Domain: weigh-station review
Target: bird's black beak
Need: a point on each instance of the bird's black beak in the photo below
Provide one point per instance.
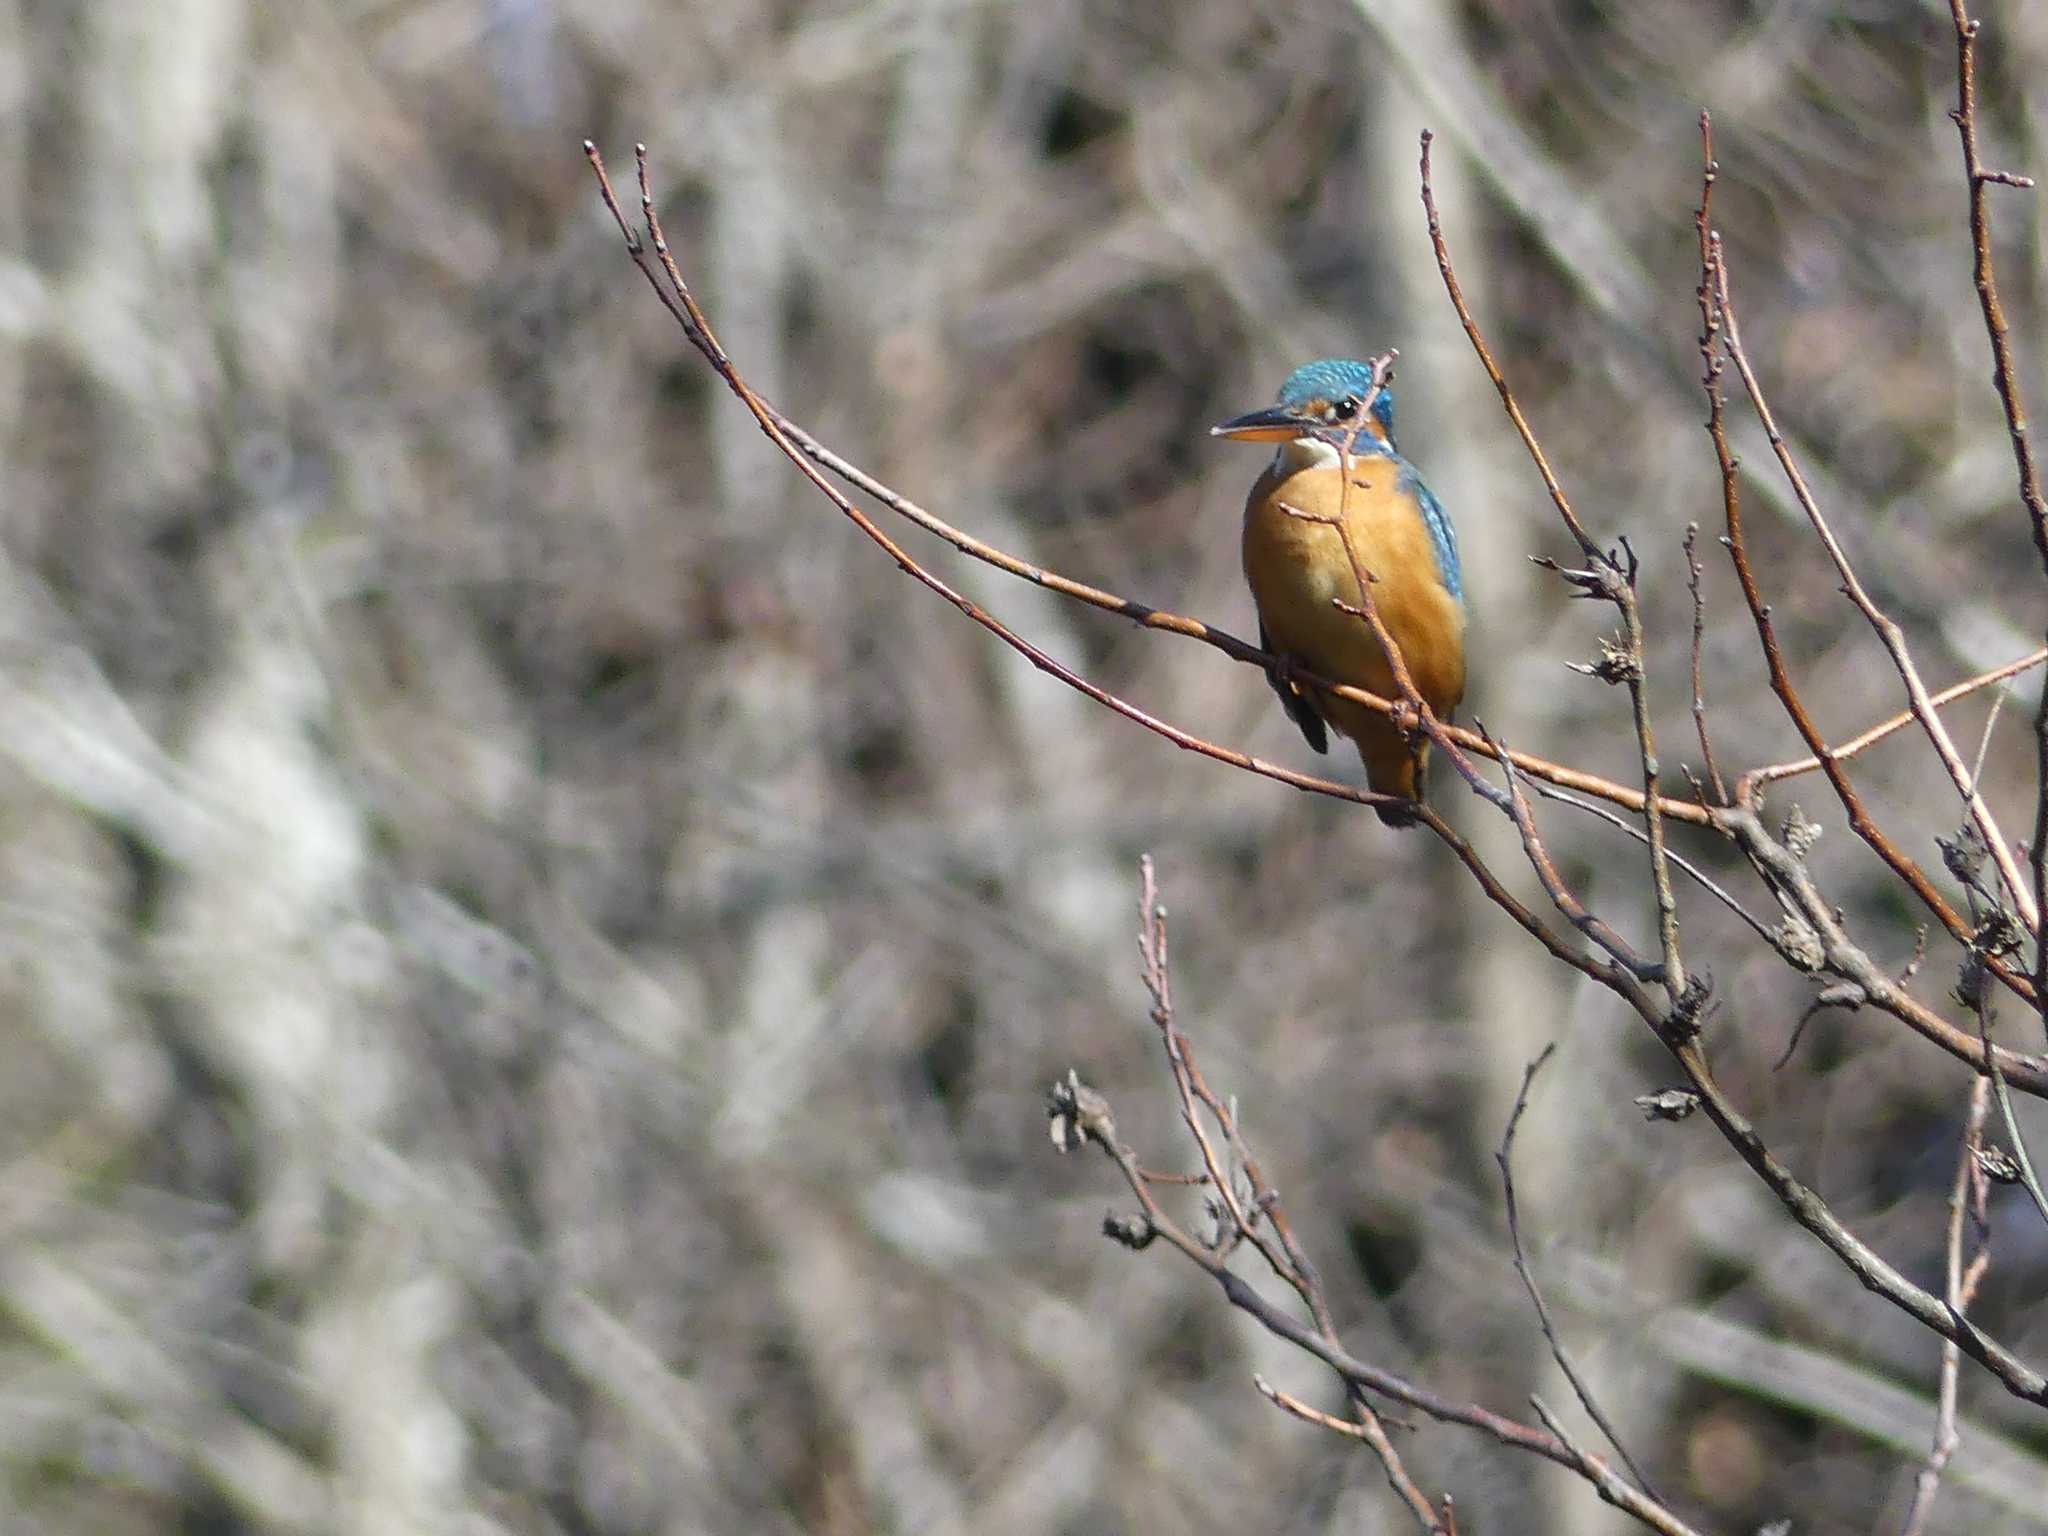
(1274, 424)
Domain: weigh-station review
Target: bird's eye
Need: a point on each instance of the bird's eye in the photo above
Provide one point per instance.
(1346, 408)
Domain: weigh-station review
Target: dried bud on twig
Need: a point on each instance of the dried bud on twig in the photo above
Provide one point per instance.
(1798, 943)
(1077, 1114)
(1690, 1011)
(1798, 834)
(1965, 853)
(1616, 663)
(1133, 1231)
(1998, 1165)
(1670, 1104)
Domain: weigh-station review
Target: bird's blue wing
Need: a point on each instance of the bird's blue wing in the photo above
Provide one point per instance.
(1443, 536)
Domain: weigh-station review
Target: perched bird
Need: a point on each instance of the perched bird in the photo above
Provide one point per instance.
(1336, 458)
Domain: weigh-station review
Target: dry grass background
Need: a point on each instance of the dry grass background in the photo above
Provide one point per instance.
(532, 956)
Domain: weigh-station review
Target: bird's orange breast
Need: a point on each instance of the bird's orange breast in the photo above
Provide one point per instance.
(1299, 571)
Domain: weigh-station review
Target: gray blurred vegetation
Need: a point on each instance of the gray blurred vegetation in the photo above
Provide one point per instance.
(532, 955)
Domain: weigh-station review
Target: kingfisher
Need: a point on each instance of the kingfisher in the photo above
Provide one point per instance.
(1336, 458)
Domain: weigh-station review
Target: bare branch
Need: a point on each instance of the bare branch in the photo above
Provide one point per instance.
(1504, 1157)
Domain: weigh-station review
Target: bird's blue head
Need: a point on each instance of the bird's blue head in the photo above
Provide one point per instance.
(1320, 399)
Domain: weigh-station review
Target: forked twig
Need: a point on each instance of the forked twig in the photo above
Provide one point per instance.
(1081, 1114)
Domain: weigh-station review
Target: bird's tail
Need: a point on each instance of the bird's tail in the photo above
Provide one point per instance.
(1394, 766)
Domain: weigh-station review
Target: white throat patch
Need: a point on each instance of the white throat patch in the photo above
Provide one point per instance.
(1299, 453)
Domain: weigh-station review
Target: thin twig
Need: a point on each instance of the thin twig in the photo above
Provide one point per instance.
(1599, 1473)
(1307, 1414)
(2037, 855)
(1504, 1157)
(1699, 698)
(1758, 777)
(1698, 876)
(1966, 1194)
(2028, 1178)
(1287, 1260)
(1558, 499)
(1575, 911)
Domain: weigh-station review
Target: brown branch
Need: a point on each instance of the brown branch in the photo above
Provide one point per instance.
(1602, 1476)
(1608, 973)
(1871, 1270)
(1888, 631)
(2005, 376)
(1315, 1416)
(1558, 499)
(1604, 577)
(1835, 952)
(1575, 911)
(2005, 373)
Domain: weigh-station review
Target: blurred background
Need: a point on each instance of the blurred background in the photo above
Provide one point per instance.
(532, 955)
